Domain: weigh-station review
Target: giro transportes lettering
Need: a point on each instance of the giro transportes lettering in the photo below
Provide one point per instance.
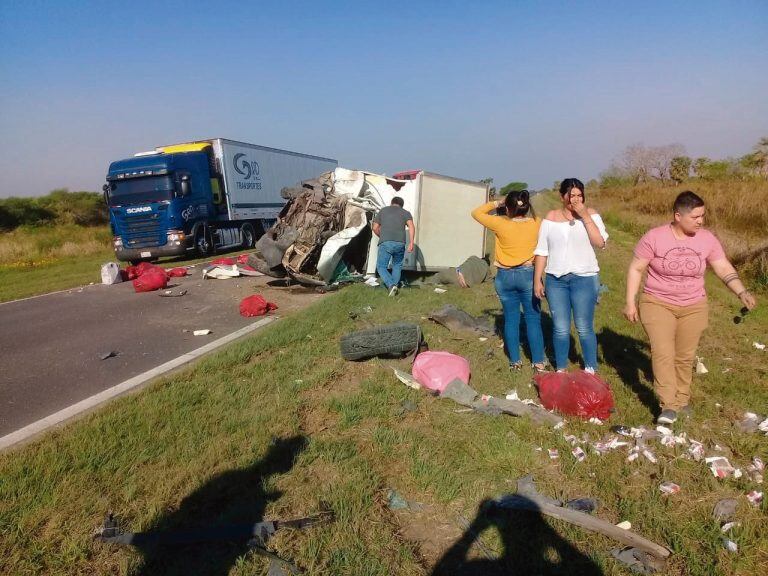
(249, 170)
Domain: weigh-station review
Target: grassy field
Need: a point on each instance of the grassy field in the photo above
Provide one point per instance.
(279, 425)
(737, 211)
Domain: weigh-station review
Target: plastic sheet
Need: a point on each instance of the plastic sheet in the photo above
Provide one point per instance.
(435, 370)
(578, 393)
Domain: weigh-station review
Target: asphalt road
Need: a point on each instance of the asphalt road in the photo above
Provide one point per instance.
(51, 345)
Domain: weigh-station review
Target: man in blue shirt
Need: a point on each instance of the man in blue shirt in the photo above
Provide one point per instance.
(389, 225)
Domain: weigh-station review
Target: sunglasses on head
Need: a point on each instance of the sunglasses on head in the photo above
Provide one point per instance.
(742, 314)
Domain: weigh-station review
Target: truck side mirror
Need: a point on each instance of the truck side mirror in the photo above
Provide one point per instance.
(105, 189)
(186, 188)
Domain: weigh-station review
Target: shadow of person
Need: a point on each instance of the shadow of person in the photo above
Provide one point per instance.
(211, 527)
(629, 358)
(530, 546)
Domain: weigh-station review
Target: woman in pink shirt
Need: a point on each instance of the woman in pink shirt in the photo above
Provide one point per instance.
(673, 307)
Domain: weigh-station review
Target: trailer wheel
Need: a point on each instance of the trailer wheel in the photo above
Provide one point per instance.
(248, 234)
(391, 339)
(203, 243)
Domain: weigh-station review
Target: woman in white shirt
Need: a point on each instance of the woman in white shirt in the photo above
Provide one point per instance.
(566, 253)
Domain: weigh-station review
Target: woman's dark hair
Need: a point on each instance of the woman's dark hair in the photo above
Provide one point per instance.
(518, 203)
(687, 201)
(569, 184)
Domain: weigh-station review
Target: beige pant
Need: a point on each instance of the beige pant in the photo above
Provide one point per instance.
(674, 332)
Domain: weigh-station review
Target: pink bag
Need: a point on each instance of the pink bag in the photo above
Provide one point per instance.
(435, 370)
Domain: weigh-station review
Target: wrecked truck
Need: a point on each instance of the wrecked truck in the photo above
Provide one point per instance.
(323, 234)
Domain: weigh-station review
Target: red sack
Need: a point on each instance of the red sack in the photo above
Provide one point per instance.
(136, 271)
(223, 262)
(255, 306)
(151, 280)
(176, 272)
(243, 259)
(578, 393)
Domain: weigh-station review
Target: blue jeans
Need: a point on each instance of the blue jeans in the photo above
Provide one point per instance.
(396, 252)
(515, 288)
(577, 294)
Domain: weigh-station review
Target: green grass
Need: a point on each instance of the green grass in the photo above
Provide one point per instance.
(198, 446)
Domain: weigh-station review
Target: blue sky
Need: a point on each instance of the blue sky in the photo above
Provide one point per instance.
(532, 91)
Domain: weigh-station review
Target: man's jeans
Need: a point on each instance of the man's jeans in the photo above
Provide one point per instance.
(515, 288)
(577, 294)
(396, 252)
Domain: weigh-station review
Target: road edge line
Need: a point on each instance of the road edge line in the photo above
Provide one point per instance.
(44, 424)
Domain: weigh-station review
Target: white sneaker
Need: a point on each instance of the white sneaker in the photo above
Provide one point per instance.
(393, 291)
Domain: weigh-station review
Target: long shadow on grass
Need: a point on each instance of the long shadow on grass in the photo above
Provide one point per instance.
(530, 546)
(547, 330)
(234, 498)
(629, 357)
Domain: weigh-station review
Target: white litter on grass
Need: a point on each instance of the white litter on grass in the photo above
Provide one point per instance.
(728, 525)
(512, 395)
(730, 545)
(579, 454)
(603, 447)
(482, 339)
(625, 525)
(406, 379)
(669, 488)
(559, 425)
(755, 498)
(201, 332)
(554, 454)
(571, 439)
(720, 467)
(700, 368)
(650, 456)
(758, 345)
(441, 290)
(595, 420)
(696, 450)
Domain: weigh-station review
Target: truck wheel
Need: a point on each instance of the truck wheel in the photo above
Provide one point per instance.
(391, 339)
(248, 234)
(203, 243)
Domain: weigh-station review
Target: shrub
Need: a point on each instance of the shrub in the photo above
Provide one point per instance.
(59, 207)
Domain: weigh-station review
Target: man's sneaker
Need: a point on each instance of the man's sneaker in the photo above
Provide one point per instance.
(667, 417)
(393, 291)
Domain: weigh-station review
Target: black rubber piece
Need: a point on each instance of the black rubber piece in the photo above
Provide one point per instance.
(390, 339)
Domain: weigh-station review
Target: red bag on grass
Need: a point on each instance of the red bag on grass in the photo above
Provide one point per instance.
(243, 259)
(577, 393)
(151, 280)
(255, 306)
(176, 272)
(435, 370)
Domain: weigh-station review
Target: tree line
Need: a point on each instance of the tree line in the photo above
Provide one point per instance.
(58, 207)
(671, 164)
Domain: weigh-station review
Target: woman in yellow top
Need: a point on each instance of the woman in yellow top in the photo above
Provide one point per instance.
(516, 237)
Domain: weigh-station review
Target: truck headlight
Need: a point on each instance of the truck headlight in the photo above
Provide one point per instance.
(174, 235)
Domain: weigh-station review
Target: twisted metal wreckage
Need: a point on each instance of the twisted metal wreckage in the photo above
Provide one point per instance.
(322, 235)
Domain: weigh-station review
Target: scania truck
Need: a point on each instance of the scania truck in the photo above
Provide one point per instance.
(200, 196)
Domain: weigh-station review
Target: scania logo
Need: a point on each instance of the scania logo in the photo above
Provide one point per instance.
(138, 210)
(245, 167)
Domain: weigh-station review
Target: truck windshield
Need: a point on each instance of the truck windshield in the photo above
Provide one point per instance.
(140, 190)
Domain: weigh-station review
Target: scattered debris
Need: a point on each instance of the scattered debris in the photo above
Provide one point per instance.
(637, 561)
(456, 319)
(669, 488)
(436, 369)
(110, 273)
(441, 290)
(720, 466)
(749, 423)
(554, 454)
(696, 450)
(623, 430)
(700, 368)
(395, 501)
(255, 305)
(597, 421)
(755, 469)
(758, 345)
(459, 392)
(406, 379)
(112, 354)
(587, 505)
(221, 272)
(579, 454)
(172, 294)
(201, 332)
(755, 498)
(386, 340)
(730, 545)
(512, 395)
(527, 498)
(725, 528)
(725, 510)
(624, 525)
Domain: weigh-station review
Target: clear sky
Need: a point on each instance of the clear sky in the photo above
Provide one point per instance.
(531, 91)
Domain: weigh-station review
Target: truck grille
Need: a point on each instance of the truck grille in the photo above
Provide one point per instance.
(142, 231)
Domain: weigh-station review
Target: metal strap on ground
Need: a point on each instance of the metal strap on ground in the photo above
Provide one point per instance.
(110, 393)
